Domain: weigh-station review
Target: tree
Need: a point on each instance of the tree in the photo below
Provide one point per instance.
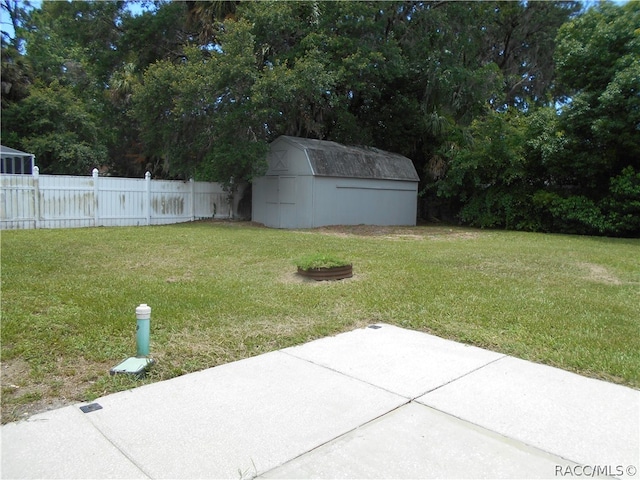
(197, 115)
(15, 76)
(490, 174)
(280, 68)
(200, 88)
(522, 45)
(324, 66)
(56, 108)
(598, 58)
(576, 170)
(154, 35)
(463, 60)
(16, 11)
(55, 125)
(74, 42)
(206, 17)
(15, 71)
(596, 177)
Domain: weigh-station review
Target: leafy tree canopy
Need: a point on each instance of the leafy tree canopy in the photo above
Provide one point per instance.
(468, 90)
(576, 170)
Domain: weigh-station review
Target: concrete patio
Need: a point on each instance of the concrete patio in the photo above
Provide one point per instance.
(377, 402)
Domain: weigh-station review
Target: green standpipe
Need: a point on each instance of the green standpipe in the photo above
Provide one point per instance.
(139, 364)
(143, 317)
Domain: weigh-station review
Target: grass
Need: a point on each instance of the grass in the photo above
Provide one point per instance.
(220, 292)
(319, 260)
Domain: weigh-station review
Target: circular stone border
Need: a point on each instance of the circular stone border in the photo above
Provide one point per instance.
(332, 273)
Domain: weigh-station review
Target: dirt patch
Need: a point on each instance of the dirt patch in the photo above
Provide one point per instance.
(23, 397)
(362, 230)
(419, 232)
(185, 277)
(404, 236)
(600, 274)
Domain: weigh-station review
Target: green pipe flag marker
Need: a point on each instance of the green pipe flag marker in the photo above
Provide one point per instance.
(139, 364)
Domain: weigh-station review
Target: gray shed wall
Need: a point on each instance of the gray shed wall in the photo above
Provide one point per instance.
(361, 201)
(290, 196)
(283, 201)
(285, 158)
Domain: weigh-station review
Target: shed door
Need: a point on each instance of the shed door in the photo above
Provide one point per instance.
(272, 213)
(281, 202)
(287, 200)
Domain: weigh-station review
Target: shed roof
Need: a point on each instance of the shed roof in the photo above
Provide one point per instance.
(8, 151)
(331, 159)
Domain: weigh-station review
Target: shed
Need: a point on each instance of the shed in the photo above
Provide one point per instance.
(312, 183)
(16, 162)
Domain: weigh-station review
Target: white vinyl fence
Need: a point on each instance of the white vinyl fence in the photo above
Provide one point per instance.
(61, 201)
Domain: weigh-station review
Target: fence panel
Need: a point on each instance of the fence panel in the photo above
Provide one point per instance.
(61, 201)
(210, 200)
(66, 201)
(171, 202)
(17, 202)
(122, 202)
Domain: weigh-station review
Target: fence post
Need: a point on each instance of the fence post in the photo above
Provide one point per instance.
(147, 183)
(193, 199)
(36, 196)
(96, 200)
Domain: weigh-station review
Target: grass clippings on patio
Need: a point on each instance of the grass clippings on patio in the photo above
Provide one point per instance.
(223, 291)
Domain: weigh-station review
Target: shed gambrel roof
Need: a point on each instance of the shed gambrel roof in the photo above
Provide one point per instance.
(331, 159)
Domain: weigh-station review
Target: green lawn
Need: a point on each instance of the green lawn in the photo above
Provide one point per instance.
(222, 291)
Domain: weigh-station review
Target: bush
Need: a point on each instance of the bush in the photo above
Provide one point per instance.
(617, 214)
